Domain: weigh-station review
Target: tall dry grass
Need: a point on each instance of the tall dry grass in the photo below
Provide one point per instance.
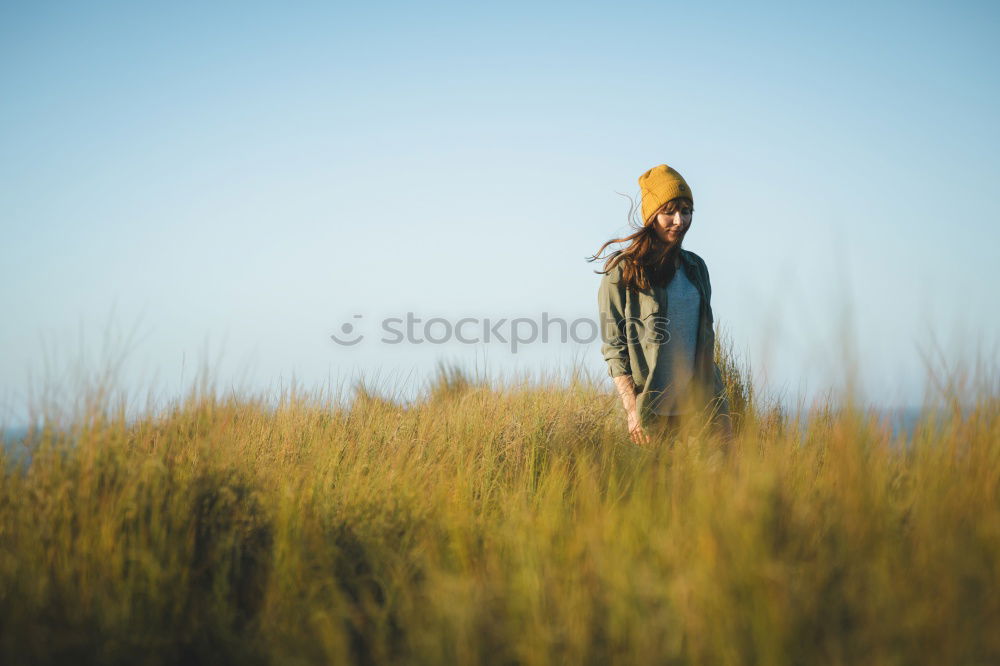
(498, 524)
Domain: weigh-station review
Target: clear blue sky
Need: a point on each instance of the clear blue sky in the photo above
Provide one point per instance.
(245, 177)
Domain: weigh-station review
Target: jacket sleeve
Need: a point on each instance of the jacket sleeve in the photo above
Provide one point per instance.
(611, 322)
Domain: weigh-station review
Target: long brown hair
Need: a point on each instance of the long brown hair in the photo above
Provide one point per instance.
(646, 260)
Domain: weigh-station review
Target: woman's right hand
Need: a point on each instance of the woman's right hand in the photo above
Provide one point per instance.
(635, 429)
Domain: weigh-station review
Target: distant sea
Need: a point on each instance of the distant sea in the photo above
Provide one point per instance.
(901, 420)
(13, 435)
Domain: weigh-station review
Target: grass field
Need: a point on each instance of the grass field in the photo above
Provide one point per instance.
(502, 525)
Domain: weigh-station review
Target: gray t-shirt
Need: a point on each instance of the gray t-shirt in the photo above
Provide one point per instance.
(674, 367)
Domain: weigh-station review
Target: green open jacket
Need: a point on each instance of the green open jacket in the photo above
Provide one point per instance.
(631, 332)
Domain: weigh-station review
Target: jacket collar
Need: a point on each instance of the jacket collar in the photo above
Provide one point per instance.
(694, 272)
(688, 259)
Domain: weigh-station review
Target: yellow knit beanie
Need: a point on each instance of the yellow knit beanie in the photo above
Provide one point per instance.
(659, 185)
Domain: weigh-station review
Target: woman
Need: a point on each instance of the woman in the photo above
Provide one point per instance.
(656, 317)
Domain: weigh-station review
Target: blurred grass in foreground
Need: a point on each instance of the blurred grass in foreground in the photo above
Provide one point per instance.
(507, 525)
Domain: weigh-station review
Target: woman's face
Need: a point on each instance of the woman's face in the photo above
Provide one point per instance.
(671, 227)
